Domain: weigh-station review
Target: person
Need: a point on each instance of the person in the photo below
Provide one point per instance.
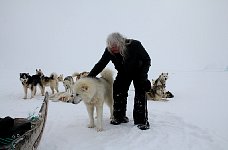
(132, 63)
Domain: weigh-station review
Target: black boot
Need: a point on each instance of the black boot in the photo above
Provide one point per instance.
(144, 126)
(119, 120)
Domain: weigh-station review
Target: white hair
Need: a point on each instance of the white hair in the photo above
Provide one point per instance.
(119, 40)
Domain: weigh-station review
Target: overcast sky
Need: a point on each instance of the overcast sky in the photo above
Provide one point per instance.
(71, 34)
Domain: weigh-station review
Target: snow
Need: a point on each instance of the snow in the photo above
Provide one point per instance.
(187, 39)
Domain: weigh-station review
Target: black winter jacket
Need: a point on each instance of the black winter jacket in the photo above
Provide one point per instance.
(136, 62)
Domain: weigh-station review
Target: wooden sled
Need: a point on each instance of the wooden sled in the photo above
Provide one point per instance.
(31, 138)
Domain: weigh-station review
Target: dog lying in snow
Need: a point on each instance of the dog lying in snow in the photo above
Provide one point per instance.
(158, 91)
(62, 96)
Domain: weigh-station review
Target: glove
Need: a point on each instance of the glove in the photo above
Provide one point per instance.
(147, 85)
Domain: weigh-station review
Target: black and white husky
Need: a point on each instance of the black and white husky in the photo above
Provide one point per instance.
(30, 82)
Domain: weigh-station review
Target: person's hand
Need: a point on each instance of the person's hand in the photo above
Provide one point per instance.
(147, 85)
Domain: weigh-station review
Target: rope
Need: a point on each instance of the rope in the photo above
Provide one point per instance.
(8, 141)
(32, 116)
(5, 141)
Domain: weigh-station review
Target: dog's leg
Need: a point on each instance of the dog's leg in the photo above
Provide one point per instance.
(33, 90)
(65, 87)
(57, 86)
(25, 92)
(99, 110)
(57, 90)
(90, 110)
(156, 97)
(111, 112)
(71, 89)
(52, 89)
(42, 89)
(109, 102)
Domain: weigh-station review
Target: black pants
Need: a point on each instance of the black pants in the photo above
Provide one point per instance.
(120, 93)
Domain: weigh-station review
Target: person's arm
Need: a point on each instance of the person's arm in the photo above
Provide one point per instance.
(146, 61)
(101, 64)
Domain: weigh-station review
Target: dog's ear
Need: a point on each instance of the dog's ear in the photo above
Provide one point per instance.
(38, 70)
(153, 81)
(84, 88)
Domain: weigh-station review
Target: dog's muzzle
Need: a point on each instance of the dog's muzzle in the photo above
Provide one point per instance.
(76, 99)
(76, 102)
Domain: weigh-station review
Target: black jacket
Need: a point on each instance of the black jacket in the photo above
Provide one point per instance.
(136, 62)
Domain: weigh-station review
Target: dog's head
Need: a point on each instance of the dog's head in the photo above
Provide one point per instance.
(69, 79)
(84, 90)
(68, 82)
(76, 99)
(60, 78)
(164, 76)
(24, 77)
(39, 72)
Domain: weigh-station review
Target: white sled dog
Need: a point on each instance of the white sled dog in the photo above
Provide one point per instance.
(94, 92)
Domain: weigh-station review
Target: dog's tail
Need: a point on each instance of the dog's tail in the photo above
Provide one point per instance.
(54, 76)
(75, 74)
(107, 74)
(80, 75)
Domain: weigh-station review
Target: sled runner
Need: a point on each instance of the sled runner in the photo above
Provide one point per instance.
(26, 133)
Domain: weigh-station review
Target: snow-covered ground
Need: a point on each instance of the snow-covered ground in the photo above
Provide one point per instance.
(187, 39)
(196, 118)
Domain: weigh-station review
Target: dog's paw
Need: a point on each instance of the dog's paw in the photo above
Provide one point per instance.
(156, 99)
(99, 129)
(91, 126)
(168, 94)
